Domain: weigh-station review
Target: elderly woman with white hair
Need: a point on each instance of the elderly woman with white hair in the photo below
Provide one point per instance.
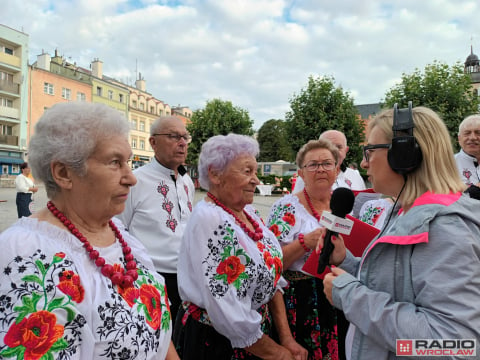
(230, 265)
(73, 283)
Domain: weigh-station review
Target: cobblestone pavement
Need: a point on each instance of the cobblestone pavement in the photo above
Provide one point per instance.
(8, 209)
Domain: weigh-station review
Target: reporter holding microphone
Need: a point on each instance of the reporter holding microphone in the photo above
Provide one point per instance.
(418, 280)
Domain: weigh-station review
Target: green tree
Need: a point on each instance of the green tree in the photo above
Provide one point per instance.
(322, 106)
(217, 118)
(443, 88)
(272, 138)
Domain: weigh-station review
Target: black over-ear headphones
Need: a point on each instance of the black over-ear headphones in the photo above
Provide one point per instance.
(404, 155)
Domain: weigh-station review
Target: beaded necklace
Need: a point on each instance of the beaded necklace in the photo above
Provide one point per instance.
(254, 235)
(309, 202)
(123, 278)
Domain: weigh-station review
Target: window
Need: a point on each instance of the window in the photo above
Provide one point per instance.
(110, 94)
(8, 51)
(99, 91)
(134, 104)
(66, 94)
(142, 126)
(160, 112)
(152, 109)
(142, 106)
(142, 144)
(134, 143)
(81, 96)
(6, 77)
(6, 130)
(6, 102)
(48, 88)
(133, 124)
(120, 98)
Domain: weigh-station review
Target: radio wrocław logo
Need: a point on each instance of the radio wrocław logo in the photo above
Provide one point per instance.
(436, 347)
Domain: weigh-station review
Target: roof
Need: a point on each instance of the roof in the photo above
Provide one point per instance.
(366, 110)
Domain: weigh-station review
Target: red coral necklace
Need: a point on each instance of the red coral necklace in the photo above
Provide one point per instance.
(254, 235)
(122, 278)
(309, 202)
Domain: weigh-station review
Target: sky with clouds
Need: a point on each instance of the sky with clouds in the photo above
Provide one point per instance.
(255, 53)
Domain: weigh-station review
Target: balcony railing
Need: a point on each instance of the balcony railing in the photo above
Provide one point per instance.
(8, 112)
(9, 140)
(10, 87)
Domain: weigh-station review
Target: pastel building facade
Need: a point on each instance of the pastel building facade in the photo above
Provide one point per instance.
(13, 99)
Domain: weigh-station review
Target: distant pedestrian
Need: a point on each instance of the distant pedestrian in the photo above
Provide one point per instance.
(25, 188)
(293, 180)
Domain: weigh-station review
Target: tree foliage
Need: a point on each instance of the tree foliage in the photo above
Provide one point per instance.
(272, 138)
(443, 88)
(322, 106)
(217, 118)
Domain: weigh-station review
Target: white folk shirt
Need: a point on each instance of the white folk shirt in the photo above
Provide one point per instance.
(349, 178)
(468, 168)
(23, 183)
(48, 278)
(226, 273)
(157, 211)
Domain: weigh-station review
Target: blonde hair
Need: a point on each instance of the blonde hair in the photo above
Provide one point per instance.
(438, 171)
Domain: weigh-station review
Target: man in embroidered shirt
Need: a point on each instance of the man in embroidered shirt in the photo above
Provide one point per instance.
(347, 177)
(161, 202)
(468, 157)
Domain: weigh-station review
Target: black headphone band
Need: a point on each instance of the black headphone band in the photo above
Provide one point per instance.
(404, 155)
(403, 120)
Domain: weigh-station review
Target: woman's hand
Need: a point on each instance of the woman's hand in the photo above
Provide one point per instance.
(298, 351)
(314, 239)
(339, 252)
(328, 282)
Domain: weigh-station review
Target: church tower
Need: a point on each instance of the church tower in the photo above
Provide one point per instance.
(472, 67)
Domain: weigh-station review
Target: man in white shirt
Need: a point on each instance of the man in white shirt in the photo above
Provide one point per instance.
(160, 204)
(468, 157)
(346, 177)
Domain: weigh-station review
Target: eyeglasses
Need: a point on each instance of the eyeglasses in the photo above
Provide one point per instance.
(327, 166)
(177, 137)
(368, 148)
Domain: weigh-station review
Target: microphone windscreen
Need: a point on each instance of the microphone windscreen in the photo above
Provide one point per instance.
(341, 202)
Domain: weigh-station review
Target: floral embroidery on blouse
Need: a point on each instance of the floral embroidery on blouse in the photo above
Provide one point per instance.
(36, 330)
(229, 265)
(167, 205)
(282, 220)
(189, 203)
(371, 214)
(35, 333)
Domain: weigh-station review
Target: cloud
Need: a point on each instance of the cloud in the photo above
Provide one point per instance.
(255, 53)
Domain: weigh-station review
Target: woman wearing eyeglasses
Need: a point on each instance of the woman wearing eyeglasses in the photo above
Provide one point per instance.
(294, 219)
(419, 278)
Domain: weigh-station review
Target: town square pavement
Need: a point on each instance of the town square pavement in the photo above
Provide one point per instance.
(8, 209)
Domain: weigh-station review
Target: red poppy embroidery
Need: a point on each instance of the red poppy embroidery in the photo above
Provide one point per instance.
(275, 229)
(289, 218)
(129, 294)
(150, 297)
(232, 267)
(70, 285)
(37, 333)
(260, 246)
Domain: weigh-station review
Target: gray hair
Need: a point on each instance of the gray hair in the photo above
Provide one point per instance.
(218, 151)
(160, 122)
(68, 133)
(469, 120)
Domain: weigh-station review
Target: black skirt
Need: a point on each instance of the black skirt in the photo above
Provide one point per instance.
(23, 201)
(194, 339)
